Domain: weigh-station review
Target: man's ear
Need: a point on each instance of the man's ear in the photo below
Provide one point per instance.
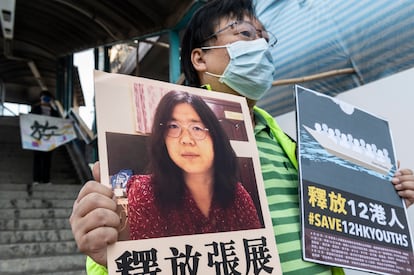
(197, 58)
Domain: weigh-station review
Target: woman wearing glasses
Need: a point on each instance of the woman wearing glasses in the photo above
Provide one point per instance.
(192, 187)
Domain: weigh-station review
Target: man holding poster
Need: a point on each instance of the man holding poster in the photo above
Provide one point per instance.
(221, 36)
(43, 131)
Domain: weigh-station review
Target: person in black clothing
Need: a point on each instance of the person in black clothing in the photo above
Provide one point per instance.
(42, 160)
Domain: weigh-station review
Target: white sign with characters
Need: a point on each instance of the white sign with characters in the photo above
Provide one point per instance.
(45, 133)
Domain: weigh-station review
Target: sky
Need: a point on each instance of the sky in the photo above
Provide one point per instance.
(85, 63)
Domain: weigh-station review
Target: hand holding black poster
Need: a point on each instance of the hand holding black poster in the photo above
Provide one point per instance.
(351, 213)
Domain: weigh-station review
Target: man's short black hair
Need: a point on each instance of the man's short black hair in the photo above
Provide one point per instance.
(203, 24)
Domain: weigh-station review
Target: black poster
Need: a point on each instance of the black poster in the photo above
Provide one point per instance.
(351, 214)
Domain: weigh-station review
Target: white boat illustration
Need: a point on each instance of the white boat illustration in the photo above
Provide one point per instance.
(381, 166)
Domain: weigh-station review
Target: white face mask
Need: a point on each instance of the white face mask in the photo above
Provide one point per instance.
(250, 71)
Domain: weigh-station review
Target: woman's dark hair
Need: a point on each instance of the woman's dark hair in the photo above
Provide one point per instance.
(167, 177)
(203, 24)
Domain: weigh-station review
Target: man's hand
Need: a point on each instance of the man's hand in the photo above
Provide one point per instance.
(94, 220)
(403, 181)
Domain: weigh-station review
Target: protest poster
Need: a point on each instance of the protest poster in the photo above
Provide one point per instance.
(125, 110)
(351, 214)
(45, 133)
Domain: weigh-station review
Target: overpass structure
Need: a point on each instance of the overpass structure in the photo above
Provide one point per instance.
(38, 40)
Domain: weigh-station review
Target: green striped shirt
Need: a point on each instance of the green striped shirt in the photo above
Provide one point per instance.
(281, 184)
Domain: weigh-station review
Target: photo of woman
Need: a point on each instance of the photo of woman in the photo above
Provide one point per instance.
(191, 184)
